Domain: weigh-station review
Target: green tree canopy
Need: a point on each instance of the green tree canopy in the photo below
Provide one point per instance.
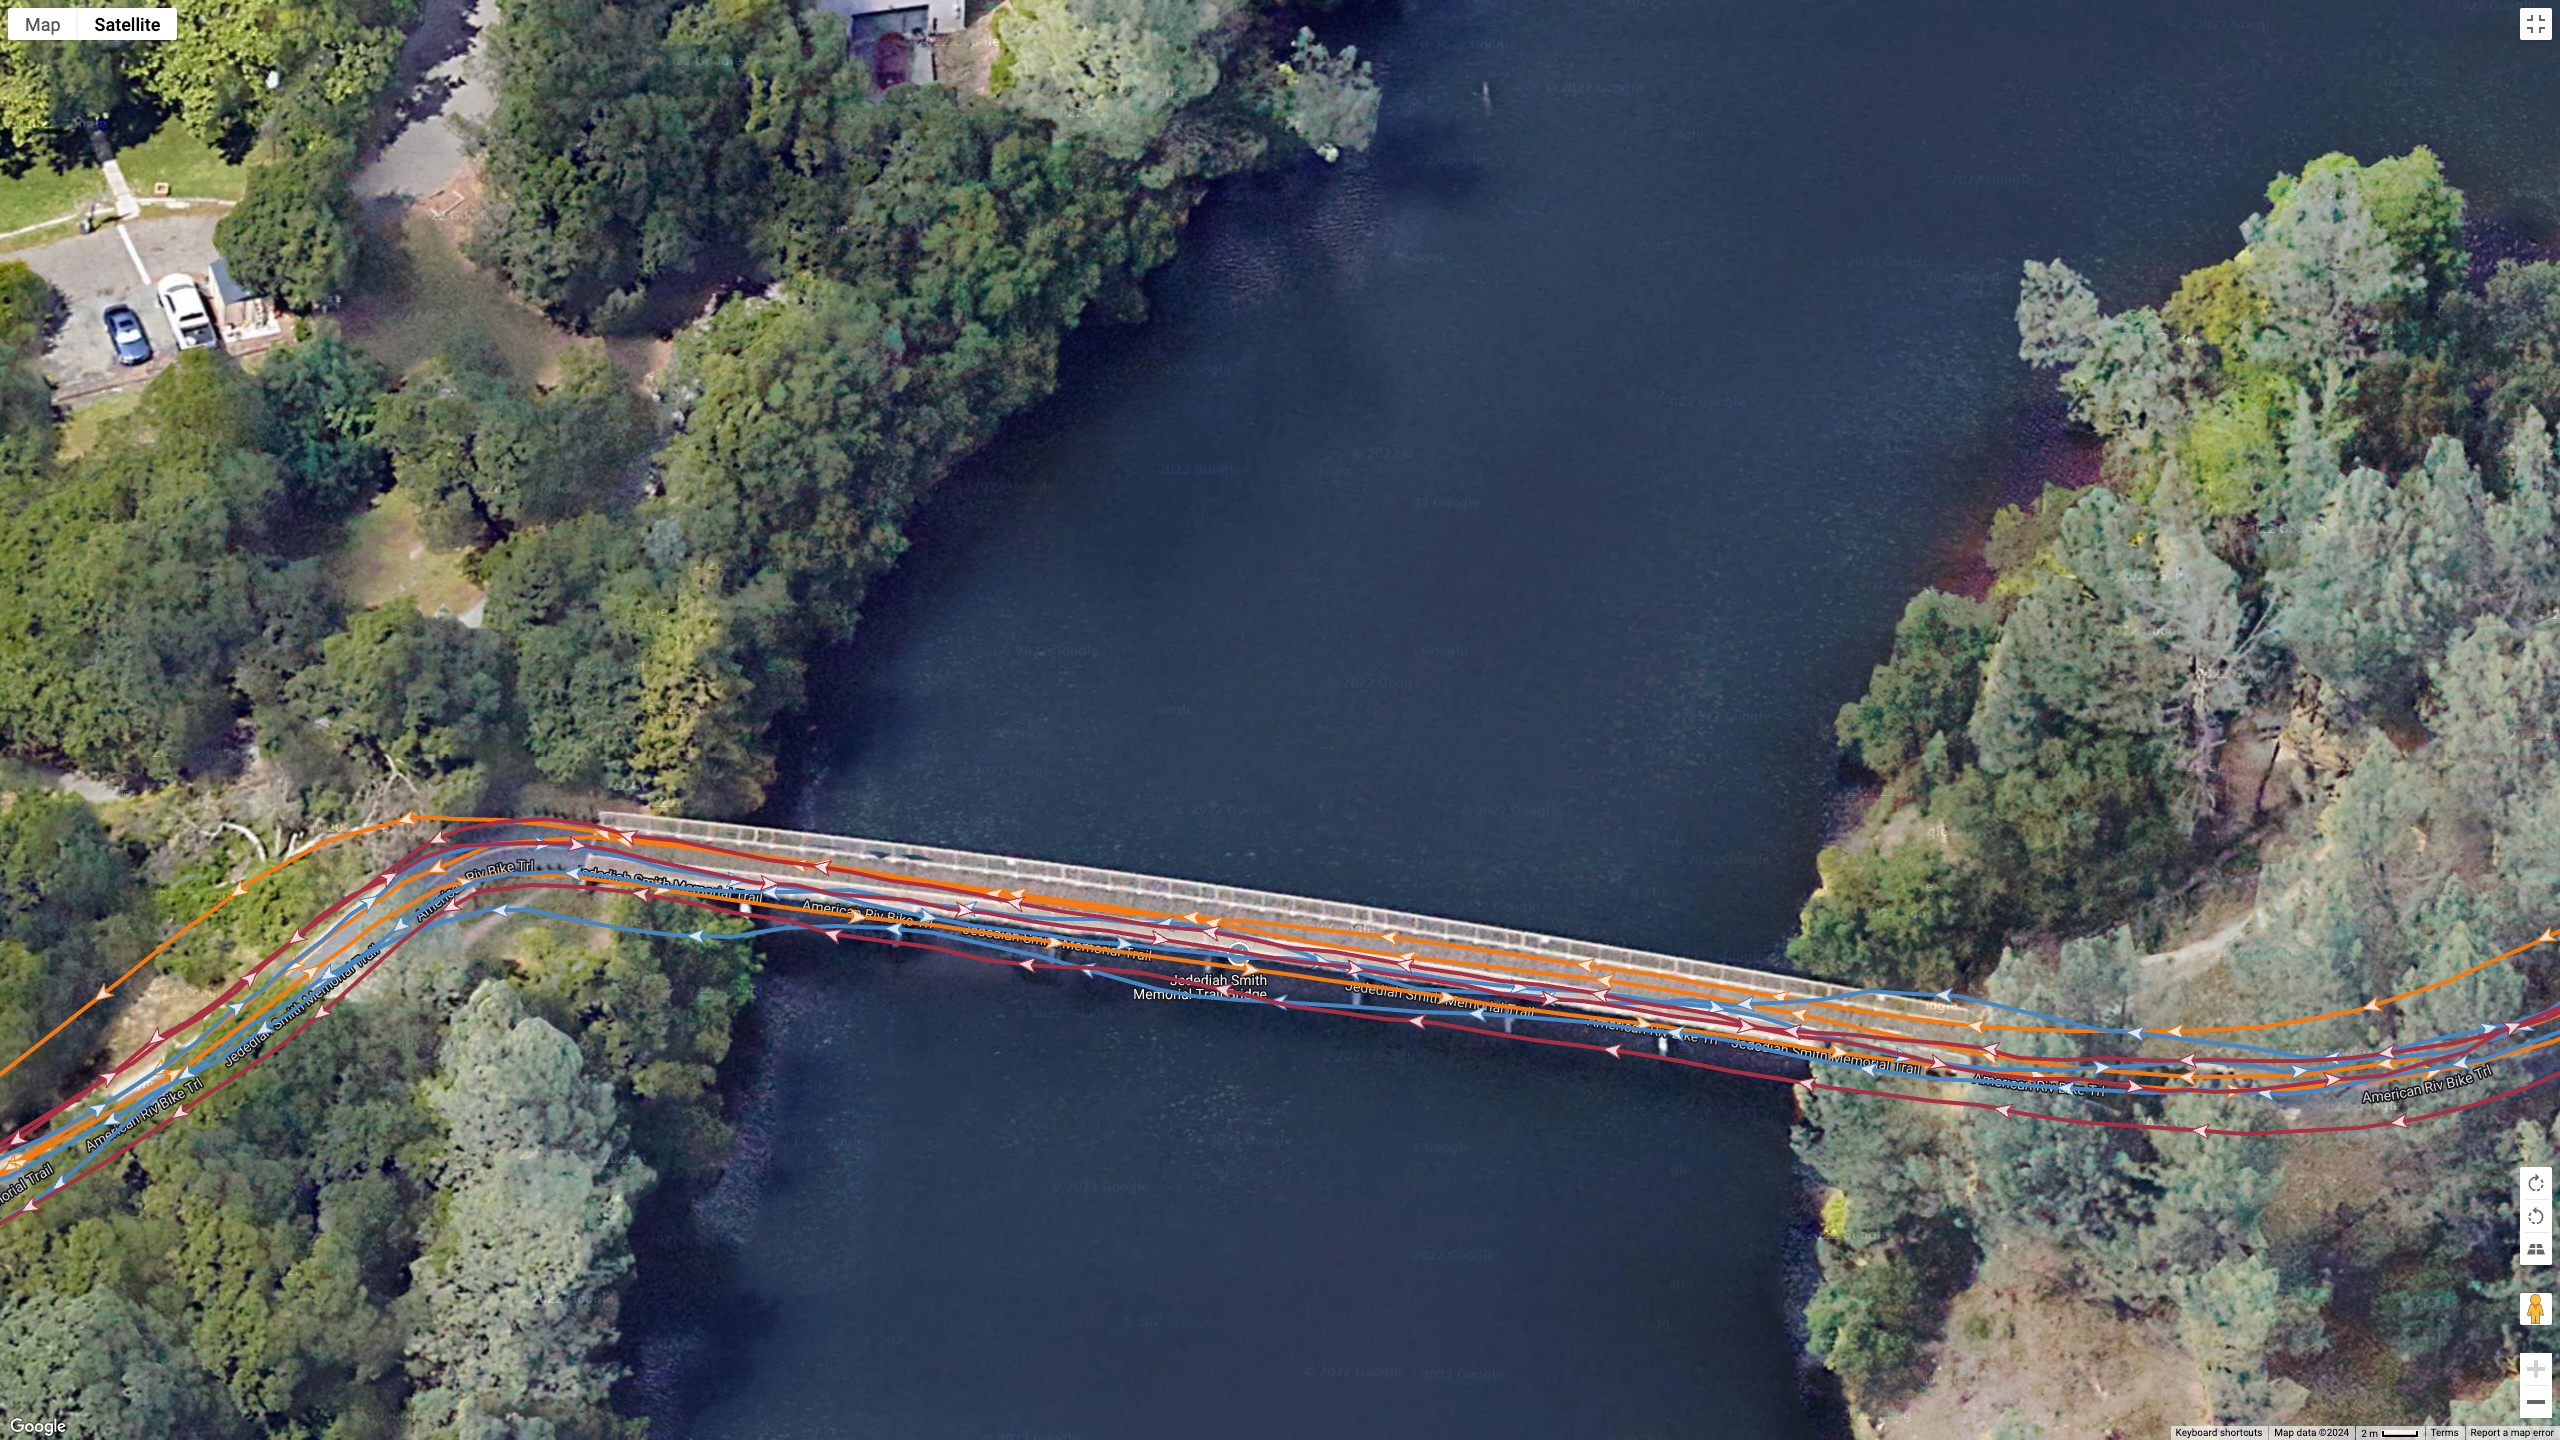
(322, 392)
(2330, 277)
(1111, 70)
(1911, 917)
(1328, 97)
(2382, 579)
(294, 234)
(426, 693)
(1926, 687)
(1867, 1325)
(518, 1280)
(62, 879)
(103, 1365)
(475, 449)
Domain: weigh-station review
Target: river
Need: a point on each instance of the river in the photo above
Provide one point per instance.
(1487, 527)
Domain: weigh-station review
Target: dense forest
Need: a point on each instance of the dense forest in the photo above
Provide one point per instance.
(415, 1221)
(2292, 660)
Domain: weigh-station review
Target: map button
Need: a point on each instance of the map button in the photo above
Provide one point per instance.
(2533, 1385)
(2533, 1214)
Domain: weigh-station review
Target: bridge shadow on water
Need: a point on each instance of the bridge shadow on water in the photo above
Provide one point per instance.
(971, 1202)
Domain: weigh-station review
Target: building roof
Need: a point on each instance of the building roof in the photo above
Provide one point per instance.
(945, 10)
(227, 291)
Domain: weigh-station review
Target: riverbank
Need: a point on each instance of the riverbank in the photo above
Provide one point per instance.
(2054, 805)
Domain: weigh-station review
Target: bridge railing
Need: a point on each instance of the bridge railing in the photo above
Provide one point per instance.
(1177, 897)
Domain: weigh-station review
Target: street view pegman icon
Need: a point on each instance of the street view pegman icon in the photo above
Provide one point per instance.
(2533, 1309)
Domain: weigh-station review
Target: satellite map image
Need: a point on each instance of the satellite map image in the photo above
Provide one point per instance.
(1279, 720)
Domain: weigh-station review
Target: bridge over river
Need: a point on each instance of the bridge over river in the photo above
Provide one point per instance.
(1432, 941)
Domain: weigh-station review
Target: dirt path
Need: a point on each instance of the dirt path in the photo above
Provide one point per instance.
(2192, 955)
(424, 151)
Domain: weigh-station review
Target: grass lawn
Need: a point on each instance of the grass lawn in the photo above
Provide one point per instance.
(80, 432)
(418, 294)
(42, 235)
(385, 558)
(191, 169)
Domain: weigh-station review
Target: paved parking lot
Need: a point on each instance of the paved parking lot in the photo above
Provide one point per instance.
(96, 271)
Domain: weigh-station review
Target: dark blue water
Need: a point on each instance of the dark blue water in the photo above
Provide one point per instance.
(1489, 527)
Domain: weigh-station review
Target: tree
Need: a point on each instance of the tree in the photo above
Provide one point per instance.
(2212, 1189)
(1329, 98)
(2524, 527)
(322, 393)
(654, 1013)
(442, 431)
(102, 1365)
(2383, 577)
(476, 448)
(61, 880)
(2089, 985)
(573, 599)
(2329, 276)
(2309, 479)
(230, 1267)
(1865, 1324)
(1908, 918)
(2233, 1318)
(47, 87)
(2447, 940)
(2133, 382)
(803, 446)
(592, 429)
(2080, 826)
(2142, 634)
(2058, 319)
(2230, 452)
(2491, 711)
(1885, 1156)
(2219, 306)
(61, 873)
(2073, 1186)
(294, 234)
(150, 584)
(2066, 659)
(330, 1321)
(213, 73)
(426, 692)
(509, 1081)
(2413, 207)
(1112, 70)
(517, 1283)
(30, 309)
(1926, 687)
(204, 408)
(2508, 338)
(601, 154)
(2529, 856)
(694, 744)
(2326, 913)
(2356, 609)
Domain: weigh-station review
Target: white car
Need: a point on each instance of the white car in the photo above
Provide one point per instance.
(184, 305)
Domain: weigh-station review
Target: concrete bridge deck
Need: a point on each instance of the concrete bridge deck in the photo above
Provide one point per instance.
(1170, 898)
